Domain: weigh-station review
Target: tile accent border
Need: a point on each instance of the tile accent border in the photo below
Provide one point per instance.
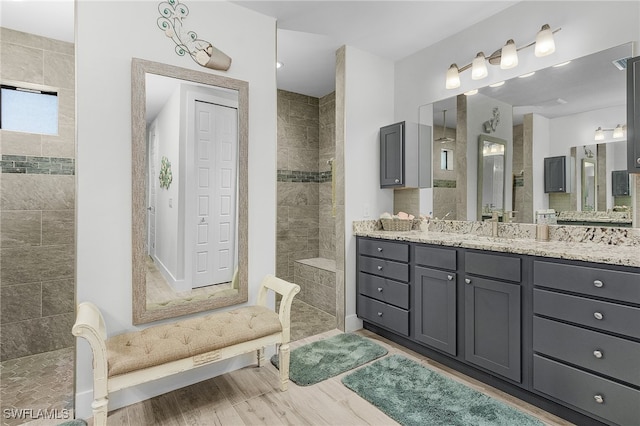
(27, 164)
(300, 176)
(444, 183)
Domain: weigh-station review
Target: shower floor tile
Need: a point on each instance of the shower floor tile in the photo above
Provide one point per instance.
(37, 386)
(307, 320)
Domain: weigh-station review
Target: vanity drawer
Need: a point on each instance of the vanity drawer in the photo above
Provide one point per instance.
(618, 403)
(615, 357)
(385, 268)
(493, 266)
(591, 313)
(384, 249)
(384, 290)
(616, 285)
(436, 257)
(388, 316)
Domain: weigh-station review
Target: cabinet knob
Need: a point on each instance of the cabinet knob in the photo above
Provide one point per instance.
(397, 180)
(598, 315)
(379, 248)
(379, 314)
(599, 399)
(638, 161)
(467, 280)
(450, 277)
(597, 353)
(380, 289)
(598, 283)
(379, 268)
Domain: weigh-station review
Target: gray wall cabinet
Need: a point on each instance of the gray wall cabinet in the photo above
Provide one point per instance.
(555, 174)
(405, 155)
(560, 334)
(620, 183)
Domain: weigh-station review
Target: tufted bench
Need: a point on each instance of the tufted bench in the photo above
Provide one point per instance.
(137, 357)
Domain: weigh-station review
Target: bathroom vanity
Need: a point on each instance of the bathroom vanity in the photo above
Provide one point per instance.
(553, 323)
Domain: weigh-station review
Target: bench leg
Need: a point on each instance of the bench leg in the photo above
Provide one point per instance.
(260, 357)
(284, 366)
(100, 411)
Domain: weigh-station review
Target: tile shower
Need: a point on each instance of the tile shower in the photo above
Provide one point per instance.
(305, 252)
(37, 228)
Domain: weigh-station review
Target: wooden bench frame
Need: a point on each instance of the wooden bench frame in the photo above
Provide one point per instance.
(90, 325)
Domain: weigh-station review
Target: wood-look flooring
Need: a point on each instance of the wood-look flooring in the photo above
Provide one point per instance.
(250, 396)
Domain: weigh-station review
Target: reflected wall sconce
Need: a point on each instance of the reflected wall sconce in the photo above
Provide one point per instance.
(618, 132)
(506, 57)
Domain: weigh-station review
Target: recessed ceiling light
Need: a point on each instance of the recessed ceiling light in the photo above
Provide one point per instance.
(529, 74)
(471, 92)
(498, 84)
(279, 65)
(562, 64)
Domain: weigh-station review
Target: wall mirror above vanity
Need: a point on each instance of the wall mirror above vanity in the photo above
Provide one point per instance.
(554, 112)
(189, 182)
(491, 177)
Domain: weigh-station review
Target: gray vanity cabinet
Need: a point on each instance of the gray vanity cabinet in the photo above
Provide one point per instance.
(493, 313)
(586, 338)
(383, 284)
(435, 313)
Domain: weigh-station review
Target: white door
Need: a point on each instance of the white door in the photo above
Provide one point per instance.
(152, 184)
(215, 163)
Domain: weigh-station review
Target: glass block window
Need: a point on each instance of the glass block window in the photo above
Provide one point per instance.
(27, 110)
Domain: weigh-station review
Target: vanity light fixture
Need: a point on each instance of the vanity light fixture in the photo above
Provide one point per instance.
(471, 92)
(618, 132)
(561, 64)
(498, 84)
(506, 57)
(529, 74)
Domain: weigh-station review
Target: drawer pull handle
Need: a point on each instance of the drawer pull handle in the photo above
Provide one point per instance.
(599, 399)
(598, 283)
(467, 280)
(598, 315)
(379, 314)
(380, 289)
(450, 277)
(379, 248)
(597, 354)
(379, 268)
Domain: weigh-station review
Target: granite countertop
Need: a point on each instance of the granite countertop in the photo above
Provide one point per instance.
(600, 217)
(627, 255)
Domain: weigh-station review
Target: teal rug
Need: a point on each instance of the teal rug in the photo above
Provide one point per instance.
(318, 361)
(412, 394)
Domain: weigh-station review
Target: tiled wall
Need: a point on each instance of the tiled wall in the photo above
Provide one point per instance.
(444, 181)
(306, 143)
(37, 204)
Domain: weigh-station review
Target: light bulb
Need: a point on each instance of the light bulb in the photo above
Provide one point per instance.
(599, 134)
(509, 55)
(453, 77)
(544, 42)
(618, 132)
(471, 92)
(479, 67)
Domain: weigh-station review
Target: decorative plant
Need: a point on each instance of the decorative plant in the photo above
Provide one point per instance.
(166, 177)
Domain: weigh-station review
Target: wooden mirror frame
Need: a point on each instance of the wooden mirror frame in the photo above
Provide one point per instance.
(140, 67)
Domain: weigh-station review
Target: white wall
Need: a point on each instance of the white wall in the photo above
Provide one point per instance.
(104, 49)
(540, 150)
(368, 106)
(419, 78)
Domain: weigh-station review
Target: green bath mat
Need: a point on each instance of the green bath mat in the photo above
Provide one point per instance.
(317, 361)
(412, 394)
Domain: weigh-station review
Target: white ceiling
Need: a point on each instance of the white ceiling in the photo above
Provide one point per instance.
(46, 18)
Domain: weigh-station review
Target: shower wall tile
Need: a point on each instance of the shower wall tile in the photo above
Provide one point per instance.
(55, 146)
(58, 46)
(23, 39)
(303, 159)
(17, 63)
(38, 263)
(37, 192)
(58, 227)
(16, 143)
(58, 297)
(59, 70)
(20, 302)
(297, 194)
(36, 336)
(283, 158)
(20, 228)
(303, 217)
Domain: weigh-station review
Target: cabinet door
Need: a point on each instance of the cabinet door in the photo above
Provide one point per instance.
(392, 155)
(435, 309)
(492, 326)
(555, 174)
(633, 115)
(620, 183)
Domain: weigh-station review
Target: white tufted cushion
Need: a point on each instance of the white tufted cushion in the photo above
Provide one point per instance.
(165, 343)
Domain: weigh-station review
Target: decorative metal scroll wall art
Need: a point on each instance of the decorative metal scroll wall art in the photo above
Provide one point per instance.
(172, 13)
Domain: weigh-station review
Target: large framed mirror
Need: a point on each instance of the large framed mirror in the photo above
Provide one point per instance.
(589, 184)
(189, 189)
(491, 176)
